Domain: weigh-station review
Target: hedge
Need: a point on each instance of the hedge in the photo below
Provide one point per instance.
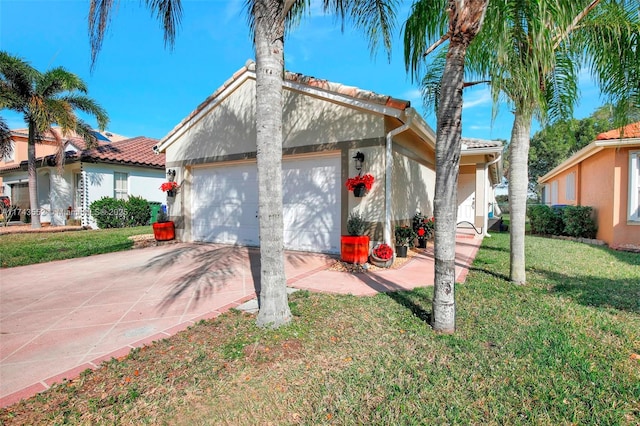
(573, 221)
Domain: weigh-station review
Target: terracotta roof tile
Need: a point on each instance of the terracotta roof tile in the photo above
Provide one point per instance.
(350, 91)
(627, 132)
(136, 151)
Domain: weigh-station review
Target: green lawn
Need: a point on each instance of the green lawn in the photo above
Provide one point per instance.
(38, 247)
(560, 350)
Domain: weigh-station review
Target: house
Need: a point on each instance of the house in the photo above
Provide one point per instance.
(325, 125)
(606, 176)
(123, 168)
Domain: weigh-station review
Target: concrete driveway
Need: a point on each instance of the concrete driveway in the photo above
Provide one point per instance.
(59, 318)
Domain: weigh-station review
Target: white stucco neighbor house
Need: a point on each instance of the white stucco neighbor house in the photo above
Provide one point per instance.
(213, 152)
(127, 167)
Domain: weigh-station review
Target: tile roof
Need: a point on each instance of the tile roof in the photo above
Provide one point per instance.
(472, 143)
(350, 91)
(627, 132)
(136, 151)
(72, 136)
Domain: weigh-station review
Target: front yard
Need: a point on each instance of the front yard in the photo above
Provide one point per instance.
(37, 247)
(563, 349)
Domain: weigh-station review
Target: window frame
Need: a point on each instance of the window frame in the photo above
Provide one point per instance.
(119, 193)
(570, 186)
(634, 187)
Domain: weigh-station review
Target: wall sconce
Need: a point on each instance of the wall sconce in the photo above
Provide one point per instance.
(359, 159)
(171, 175)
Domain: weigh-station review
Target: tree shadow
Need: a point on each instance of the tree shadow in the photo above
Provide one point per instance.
(205, 270)
(621, 294)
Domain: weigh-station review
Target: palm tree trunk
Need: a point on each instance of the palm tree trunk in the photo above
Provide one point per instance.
(448, 146)
(518, 190)
(269, 44)
(33, 177)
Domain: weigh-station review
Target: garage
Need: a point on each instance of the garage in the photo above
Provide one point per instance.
(225, 204)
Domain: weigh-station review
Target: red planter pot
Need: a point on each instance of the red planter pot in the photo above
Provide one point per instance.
(164, 231)
(354, 248)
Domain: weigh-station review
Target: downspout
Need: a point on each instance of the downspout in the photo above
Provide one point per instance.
(388, 169)
(486, 172)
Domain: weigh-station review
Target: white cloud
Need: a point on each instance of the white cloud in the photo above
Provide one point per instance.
(413, 95)
(478, 98)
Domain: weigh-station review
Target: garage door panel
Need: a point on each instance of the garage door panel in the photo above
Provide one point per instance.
(225, 204)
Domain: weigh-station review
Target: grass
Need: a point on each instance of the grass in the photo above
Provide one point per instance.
(38, 247)
(560, 350)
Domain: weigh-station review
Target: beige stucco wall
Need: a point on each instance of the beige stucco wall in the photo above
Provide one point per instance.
(228, 130)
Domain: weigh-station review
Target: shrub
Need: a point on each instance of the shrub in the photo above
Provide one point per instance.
(545, 220)
(405, 236)
(579, 222)
(109, 212)
(138, 211)
(356, 224)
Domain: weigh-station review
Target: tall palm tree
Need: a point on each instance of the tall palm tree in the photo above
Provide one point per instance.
(531, 53)
(431, 24)
(268, 20)
(5, 139)
(44, 100)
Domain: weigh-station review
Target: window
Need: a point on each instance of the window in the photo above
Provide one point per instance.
(554, 192)
(634, 186)
(571, 186)
(121, 186)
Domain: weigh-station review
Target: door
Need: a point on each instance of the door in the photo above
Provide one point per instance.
(225, 204)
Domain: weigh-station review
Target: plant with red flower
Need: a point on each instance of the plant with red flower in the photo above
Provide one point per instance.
(422, 226)
(383, 252)
(169, 186)
(366, 180)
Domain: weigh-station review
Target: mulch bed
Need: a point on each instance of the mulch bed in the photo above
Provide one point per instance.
(398, 263)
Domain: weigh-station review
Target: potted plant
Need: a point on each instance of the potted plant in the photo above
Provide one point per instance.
(381, 256)
(423, 228)
(360, 185)
(404, 239)
(354, 248)
(163, 229)
(170, 188)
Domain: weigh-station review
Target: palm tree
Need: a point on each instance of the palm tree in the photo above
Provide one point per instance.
(46, 99)
(534, 61)
(531, 54)
(435, 22)
(268, 20)
(5, 139)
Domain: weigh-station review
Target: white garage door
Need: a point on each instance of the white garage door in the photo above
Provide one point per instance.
(225, 204)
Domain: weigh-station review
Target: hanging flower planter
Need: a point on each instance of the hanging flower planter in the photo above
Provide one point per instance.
(170, 188)
(360, 185)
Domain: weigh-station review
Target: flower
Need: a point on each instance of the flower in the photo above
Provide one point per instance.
(169, 186)
(383, 251)
(366, 180)
(422, 226)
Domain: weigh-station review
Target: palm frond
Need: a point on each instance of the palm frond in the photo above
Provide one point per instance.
(88, 106)
(168, 12)
(56, 81)
(6, 145)
(427, 23)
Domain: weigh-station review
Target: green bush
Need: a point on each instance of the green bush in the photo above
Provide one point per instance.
(356, 224)
(579, 222)
(109, 212)
(545, 220)
(138, 211)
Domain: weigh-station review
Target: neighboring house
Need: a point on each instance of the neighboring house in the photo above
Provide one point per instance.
(128, 167)
(606, 176)
(325, 124)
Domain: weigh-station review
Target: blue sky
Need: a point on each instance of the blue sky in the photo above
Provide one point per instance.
(147, 89)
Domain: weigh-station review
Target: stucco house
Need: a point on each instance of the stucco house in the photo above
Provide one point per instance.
(325, 125)
(606, 176)
(126, 167)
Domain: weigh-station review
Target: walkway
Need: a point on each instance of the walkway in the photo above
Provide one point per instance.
(60, 318)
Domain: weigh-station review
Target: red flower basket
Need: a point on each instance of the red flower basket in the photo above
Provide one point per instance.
(354, 182)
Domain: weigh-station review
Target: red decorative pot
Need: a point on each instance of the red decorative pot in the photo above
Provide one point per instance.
(354, 248)
(164, 231)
